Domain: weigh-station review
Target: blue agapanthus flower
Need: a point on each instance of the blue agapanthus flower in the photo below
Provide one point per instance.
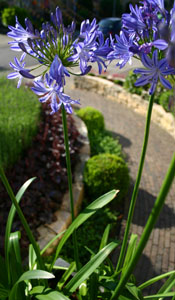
(148, 26)
(48, 90)
(155, 70)
(55, 48)
(121, 49)
(19, 69)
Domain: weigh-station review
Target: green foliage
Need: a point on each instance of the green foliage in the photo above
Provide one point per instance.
(9, 13)
(119, 82)
(95, 227)
(104, 172)
(93, 119)
(129, 84)
(100, 140)
(165, 101)
(19, 118)
(105, 143)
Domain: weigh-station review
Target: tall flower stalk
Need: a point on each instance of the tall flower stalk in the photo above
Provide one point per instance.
(69, 173)
(149, 226)
(136, 186)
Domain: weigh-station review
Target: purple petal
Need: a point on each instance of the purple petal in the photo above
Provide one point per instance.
(146, 61)
(45, 98)
(13, 75)
(153, 87)
(160, 44)
(142, 80)
(22, 47)
(142, 71)
(19, 83)
(26, 74)
(165, 82)
(22, 57)
(87, 70)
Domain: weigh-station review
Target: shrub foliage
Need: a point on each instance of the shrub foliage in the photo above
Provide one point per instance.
(9, 13)
(105, 172)
(100, 139)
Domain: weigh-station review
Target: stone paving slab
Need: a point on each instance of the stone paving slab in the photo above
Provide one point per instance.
(128, 125)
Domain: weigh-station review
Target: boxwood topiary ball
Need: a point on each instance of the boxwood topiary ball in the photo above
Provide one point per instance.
(105, 172)
(93, 119)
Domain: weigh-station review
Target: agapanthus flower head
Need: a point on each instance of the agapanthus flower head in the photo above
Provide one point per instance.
(55, 48)
(48, 90)
(155, 70)
(148, 26)
(88, 28)
(121, 49)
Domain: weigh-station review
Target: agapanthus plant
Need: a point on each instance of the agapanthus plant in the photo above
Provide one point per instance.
(148, 34)
(56, 48)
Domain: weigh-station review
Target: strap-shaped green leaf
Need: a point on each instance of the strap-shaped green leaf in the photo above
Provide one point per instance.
(15, 261)
(32, 274)
(82, 217)
(32, 258)
(167, 286)
(54, 295)
(66, 275)
(10, 222)
(105, 236)
(42, 293)
(130, 252)
(52, 241)
(158, 296)
(90, 267)
(157, 278)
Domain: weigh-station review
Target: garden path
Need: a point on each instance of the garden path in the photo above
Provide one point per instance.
(159, 254)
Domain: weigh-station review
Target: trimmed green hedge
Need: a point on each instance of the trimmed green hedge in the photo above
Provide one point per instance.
(19, 118)
(93, 119)
(100, 139)
(8, 15)
(105, 172)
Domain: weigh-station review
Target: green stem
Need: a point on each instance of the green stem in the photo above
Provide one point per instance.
(69, 174)
(149, 226)
(136, 187)
(22, 218)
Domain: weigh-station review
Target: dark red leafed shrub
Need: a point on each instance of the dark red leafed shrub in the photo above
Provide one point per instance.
(45, 160)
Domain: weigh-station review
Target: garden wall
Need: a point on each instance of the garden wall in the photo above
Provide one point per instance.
(115, 92)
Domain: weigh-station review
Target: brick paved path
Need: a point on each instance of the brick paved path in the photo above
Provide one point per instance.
(159, 254)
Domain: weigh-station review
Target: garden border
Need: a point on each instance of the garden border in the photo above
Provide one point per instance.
(63, 215)
(115, 92)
